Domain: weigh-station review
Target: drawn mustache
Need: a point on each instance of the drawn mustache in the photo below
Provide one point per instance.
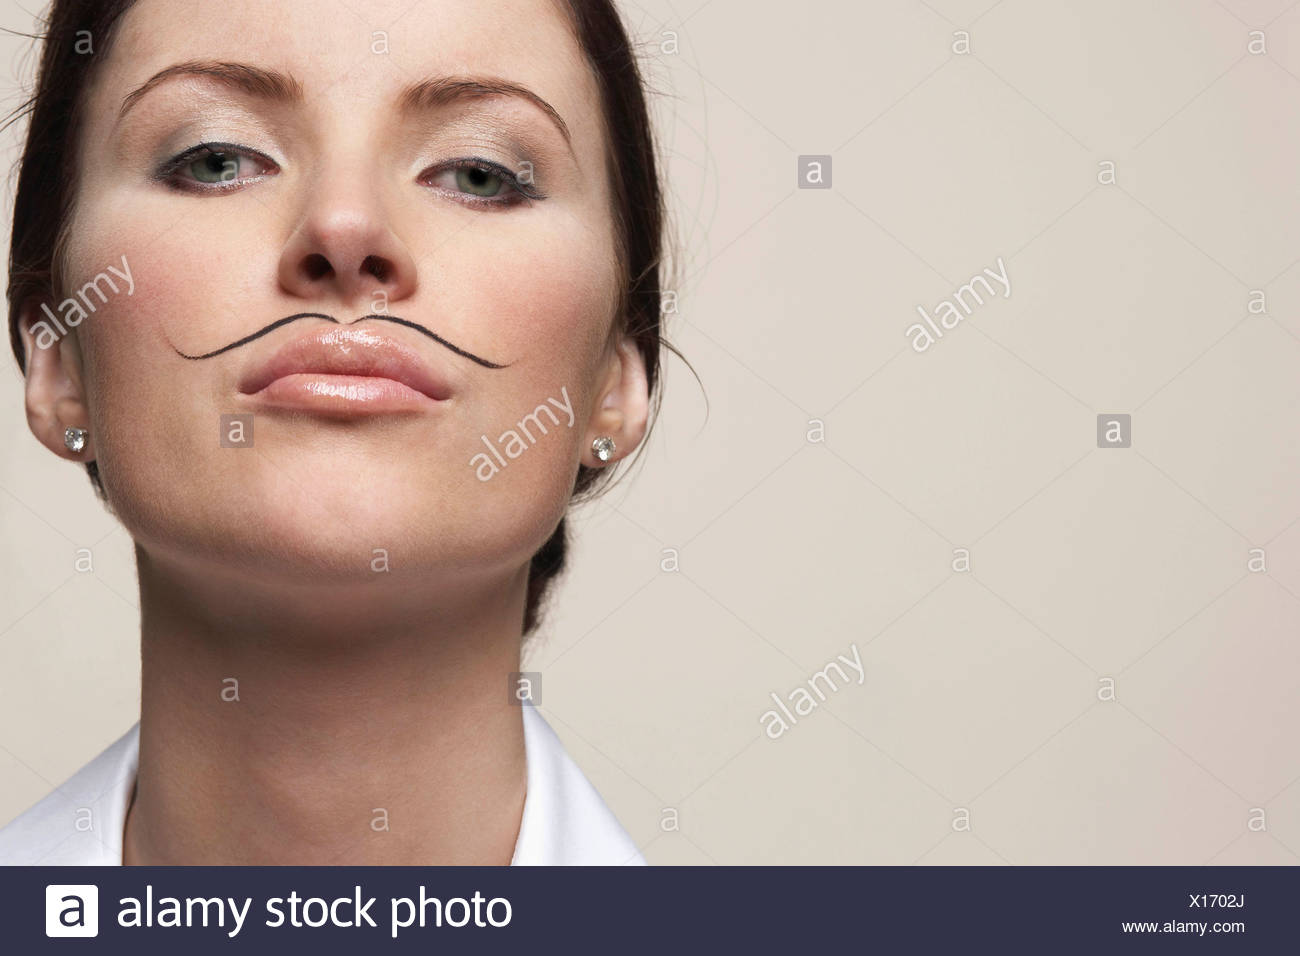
(321, 315)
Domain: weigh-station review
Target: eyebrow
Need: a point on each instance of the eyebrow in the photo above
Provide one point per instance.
(280, 87)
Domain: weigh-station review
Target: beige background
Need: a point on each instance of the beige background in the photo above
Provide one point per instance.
(1088, 565)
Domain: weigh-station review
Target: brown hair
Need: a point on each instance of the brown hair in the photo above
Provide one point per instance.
(77, 36)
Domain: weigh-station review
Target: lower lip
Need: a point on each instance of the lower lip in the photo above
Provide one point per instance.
(343, 395)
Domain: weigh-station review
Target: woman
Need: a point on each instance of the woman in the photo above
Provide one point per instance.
(340, 308)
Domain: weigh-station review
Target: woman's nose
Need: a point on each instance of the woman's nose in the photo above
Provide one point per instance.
(345, 250)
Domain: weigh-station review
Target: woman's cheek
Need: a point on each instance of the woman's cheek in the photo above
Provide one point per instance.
(148, 410)
(549, 306)
(537, 286)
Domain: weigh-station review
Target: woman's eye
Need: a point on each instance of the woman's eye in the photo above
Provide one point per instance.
(210, 166)
(482, 183)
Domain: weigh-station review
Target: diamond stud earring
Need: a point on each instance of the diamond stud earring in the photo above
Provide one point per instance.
(603, 448)
(75, 439)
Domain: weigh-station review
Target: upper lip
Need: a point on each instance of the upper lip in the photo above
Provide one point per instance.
(349, 351)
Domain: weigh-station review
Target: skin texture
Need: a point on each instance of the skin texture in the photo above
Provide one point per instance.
(358, 689)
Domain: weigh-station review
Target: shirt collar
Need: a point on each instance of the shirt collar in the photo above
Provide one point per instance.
(565, 821)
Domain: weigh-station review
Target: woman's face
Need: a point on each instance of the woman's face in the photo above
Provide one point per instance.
(335, 449)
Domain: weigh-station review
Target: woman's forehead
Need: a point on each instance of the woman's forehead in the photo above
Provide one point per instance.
(343, 53)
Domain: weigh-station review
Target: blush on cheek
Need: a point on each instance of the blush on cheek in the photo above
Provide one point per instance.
(530, 300)
(198, 278)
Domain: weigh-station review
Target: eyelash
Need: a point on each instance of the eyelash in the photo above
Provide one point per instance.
(169, 171)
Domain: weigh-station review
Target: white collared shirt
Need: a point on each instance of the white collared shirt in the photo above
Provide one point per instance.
(565, 821)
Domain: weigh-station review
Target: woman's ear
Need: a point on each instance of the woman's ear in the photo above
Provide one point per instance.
(56, 397)
(623, 404)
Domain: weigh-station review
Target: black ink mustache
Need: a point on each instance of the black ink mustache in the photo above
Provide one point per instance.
(321, 315)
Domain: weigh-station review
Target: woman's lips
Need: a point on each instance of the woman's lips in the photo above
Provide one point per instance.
(363, 394)
(347, 372)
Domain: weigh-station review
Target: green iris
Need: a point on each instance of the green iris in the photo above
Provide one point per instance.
(216, 168)
(479, 182)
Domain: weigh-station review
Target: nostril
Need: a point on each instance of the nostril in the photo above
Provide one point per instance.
(316, 266)
(376, 266)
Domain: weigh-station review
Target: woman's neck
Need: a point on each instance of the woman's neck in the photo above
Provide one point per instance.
(326, 724)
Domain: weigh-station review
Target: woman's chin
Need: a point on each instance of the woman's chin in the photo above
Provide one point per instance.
(288, 545)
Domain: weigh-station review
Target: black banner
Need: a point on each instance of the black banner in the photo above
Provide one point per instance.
(649, 909)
